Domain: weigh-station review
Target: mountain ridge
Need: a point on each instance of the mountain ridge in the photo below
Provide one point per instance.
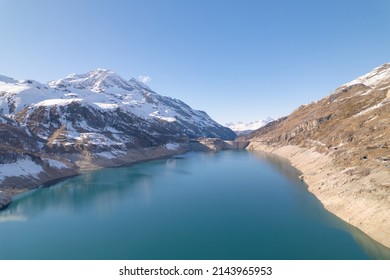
(108, 91)
(241, 128)
(88, 121)
(341, 143)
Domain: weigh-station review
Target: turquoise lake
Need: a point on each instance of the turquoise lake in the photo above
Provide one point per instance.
(226, 205)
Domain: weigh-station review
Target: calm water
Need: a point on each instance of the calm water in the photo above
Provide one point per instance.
(228, 205)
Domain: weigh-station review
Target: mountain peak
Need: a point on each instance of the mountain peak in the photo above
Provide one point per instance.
(99, 80)
(241, 128)
(378, 76)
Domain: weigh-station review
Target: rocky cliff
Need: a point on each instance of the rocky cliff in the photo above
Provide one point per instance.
(341, 143)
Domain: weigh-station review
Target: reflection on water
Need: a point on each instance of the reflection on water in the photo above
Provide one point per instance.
(85, 190)
(370, 246)
(227, 205)
(282, 164)
(7, 217)
(78, 192)
(373, 248)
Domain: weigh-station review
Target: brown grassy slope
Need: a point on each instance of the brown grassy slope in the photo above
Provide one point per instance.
(349, 125)
(342, 145)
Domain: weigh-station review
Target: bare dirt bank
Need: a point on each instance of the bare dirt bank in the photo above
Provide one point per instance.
(358, 198)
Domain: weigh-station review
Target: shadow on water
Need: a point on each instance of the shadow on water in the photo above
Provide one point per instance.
(373, 248)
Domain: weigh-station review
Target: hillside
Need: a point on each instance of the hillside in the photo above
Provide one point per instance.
(341, 143)
(88, 121)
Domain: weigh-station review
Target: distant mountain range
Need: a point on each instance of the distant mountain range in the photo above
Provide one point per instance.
(241, 128)
(88, 121)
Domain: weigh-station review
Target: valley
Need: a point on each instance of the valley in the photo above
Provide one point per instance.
(340, 143)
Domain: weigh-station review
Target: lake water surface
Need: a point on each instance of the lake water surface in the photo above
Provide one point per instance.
(227, 205)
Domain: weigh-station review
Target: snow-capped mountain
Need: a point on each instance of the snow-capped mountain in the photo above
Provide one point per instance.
(88, 121)
(241, 128)
(101, 104)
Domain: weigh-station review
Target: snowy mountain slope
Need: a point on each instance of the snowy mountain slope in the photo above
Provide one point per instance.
(103, 88)
(87, 121)
(21, 158)
(101, 102)
(241, 128)
(378, 77)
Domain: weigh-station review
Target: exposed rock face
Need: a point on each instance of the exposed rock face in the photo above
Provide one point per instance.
(342, 145)
(5, 199)
(23, 165)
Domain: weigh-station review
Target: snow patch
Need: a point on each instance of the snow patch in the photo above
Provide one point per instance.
(167, 119)
(369, 109)
(242, 128)
(56, 164)
(172, 146)
(166, 116)
(23, 167)
(57, 102)
(71, 95)
(107, 106)
(318, 142)
(111, 154)
(97, 139)
(374, 77)
(112, 130)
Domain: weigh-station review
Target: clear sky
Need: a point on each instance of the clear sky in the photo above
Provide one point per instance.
(235, 59)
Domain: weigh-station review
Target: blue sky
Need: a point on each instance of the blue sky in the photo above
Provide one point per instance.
(237, 60)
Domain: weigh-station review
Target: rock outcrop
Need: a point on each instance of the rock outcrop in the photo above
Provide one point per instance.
(5, 199)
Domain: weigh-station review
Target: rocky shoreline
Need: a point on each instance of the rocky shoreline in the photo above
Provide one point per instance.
(359, 198)
(5, 199)
(17, 185)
